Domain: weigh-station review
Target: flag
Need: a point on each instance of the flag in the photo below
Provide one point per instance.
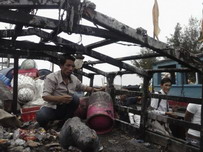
(201, 32)
(155, 13)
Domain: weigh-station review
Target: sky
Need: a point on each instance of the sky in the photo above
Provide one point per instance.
(134, 13)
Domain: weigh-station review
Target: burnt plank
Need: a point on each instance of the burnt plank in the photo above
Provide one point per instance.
(81, 49)
(127, 127)
(14, 17)
(19, 27)
(172, 144)
(57, 40)
(169, 70)
(83, 73)
(40, 47)
(11, 33)
(103, 33)
(25, 19)
(142, 38)
(34, 4)
(144, 105)
(132, 57)
(128, 92)
(177, 98)
(15, 85)
(95, 70)
(161, 96)
(127, 109)
(28, 54)
(99, 44)
(33, 46)
(171, 120)
(114, 62)
(149, 70)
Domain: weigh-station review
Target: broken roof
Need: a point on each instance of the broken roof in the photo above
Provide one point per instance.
(109, 30)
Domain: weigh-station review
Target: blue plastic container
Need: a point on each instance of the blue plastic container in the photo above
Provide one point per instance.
(4, 79)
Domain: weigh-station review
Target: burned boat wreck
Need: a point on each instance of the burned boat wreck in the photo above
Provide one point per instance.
(20, 13)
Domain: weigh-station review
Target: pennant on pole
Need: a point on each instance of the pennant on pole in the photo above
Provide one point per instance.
(201, 32)
(155, 13)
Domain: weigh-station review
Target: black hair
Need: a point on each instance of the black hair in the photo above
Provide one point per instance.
(65, 57)
(165, 80)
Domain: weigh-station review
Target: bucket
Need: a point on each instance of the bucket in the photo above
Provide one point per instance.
(100, 113)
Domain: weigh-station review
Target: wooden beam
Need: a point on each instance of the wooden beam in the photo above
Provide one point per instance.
(33, 4)
(30, 46)
(171, 120)
(25, 19)
(114, 62)
(127, 109)
(149, 70)
(14, 17)
(128, 128)
(11, 33)
(27, 54)
(51, 24)
(83, 73)
(161, 96)
(95, 70)
(57, 40)
(99, 44)
(82, 50)
(177, 98)
(132, 57)
(172, 144)
(103, 33)
(141, 37)
(169, 70)
(128, 93)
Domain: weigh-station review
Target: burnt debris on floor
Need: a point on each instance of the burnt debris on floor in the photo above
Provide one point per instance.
(32, 138)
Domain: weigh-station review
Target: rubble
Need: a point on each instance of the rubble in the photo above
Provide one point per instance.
(32, 138)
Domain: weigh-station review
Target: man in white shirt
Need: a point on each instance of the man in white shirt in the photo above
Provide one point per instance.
(193, 115)
(161, 107)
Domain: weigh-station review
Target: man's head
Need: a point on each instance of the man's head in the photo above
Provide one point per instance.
(67, 65)
(166, 84)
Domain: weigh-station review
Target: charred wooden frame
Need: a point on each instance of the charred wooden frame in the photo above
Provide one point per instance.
(18, 12)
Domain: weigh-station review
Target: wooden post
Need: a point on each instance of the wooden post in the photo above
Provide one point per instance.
(2, 63)
(52, 67)
(15, 85)
(8, 62)
(201, 131)
(91, 76)
(111, 89)
(145, 95)
(91, 80)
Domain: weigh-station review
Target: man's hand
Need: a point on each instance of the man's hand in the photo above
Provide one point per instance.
(171, 114)
(99, 89)
(65, 99)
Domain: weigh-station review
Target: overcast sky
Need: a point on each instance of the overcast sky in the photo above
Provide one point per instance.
(134, 13)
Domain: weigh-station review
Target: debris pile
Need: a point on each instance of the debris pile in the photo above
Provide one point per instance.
(74, 136)
(28, 140)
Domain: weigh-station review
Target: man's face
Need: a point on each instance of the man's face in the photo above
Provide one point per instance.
(67, 68)
(123, 97)
(166, 87)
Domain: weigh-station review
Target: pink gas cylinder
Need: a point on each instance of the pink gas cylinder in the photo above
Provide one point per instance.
(100, 113)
